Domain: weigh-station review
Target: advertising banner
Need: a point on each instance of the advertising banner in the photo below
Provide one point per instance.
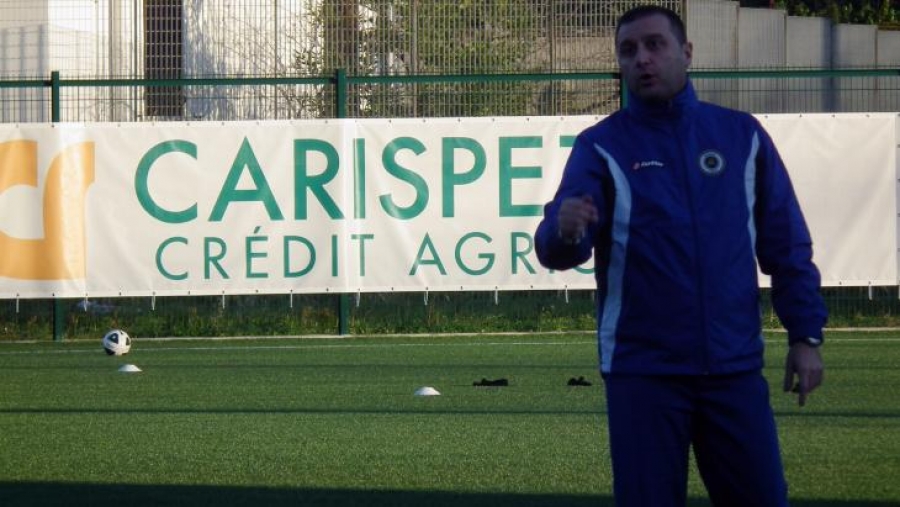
(105, 210)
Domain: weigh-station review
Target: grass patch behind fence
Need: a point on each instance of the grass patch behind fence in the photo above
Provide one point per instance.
(370, 313)
(334, 422)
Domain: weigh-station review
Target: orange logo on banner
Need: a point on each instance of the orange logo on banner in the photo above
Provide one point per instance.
(60, 254)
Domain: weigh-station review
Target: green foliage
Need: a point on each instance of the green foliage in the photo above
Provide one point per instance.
(864, 12)
(472, 36)
(400, 37)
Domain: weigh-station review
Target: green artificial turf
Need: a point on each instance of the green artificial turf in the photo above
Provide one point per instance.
(335, 422)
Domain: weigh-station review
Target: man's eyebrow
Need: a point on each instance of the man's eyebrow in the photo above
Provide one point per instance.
(654, 35)
(629, 44)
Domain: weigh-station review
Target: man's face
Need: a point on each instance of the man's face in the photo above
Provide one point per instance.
(652, 61)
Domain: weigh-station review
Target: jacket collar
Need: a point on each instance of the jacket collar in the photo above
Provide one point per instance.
(683, 103)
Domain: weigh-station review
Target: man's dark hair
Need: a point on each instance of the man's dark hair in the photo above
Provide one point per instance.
(643, 11)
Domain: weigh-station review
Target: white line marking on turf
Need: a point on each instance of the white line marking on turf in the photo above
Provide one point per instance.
(307, 346)
(301, 347)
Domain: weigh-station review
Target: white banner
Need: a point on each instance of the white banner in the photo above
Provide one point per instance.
(844, 169)
(103, 210)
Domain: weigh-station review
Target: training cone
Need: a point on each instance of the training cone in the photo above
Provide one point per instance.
(427, 391)
(129, 368)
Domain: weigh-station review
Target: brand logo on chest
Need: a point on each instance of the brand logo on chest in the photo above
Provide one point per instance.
(645, 164)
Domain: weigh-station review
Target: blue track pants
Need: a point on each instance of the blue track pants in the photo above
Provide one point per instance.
(654, 421)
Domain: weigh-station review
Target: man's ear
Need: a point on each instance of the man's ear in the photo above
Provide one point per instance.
(688, 49)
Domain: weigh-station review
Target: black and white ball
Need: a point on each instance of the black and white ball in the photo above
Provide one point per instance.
(116, 342)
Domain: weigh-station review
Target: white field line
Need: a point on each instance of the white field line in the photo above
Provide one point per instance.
(306, 346)
(309, 346)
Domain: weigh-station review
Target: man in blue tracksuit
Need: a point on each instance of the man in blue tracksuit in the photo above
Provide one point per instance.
(678, 200)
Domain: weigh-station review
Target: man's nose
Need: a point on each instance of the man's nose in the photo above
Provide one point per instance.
(642, 56)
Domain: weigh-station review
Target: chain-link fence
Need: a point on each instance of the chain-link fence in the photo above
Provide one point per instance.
(174, 39)
(382, 313)
(277, 38)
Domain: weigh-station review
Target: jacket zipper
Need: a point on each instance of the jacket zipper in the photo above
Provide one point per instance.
(682, 134)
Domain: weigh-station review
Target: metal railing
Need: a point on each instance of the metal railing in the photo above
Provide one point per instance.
(341, 95)
(344, 96)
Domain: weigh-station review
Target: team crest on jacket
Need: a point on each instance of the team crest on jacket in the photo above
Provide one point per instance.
(712, 163)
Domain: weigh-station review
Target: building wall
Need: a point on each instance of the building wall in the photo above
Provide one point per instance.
(80, 39)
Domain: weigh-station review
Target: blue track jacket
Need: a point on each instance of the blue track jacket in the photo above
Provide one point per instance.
(691, 196)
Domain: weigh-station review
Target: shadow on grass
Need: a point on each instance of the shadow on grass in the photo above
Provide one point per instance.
(40, 494)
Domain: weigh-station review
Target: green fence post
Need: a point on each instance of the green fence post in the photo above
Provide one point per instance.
(340, 111)
(59, 308)
(54, 96)
(59, 319)
(340, 93)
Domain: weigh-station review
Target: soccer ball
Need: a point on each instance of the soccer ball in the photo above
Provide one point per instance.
(116, 342)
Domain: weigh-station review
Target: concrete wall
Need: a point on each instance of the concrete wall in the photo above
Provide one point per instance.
(712, 27)
(887, 90)
(727, 37)
(761, 43)
(853, 47)
(808, 46)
